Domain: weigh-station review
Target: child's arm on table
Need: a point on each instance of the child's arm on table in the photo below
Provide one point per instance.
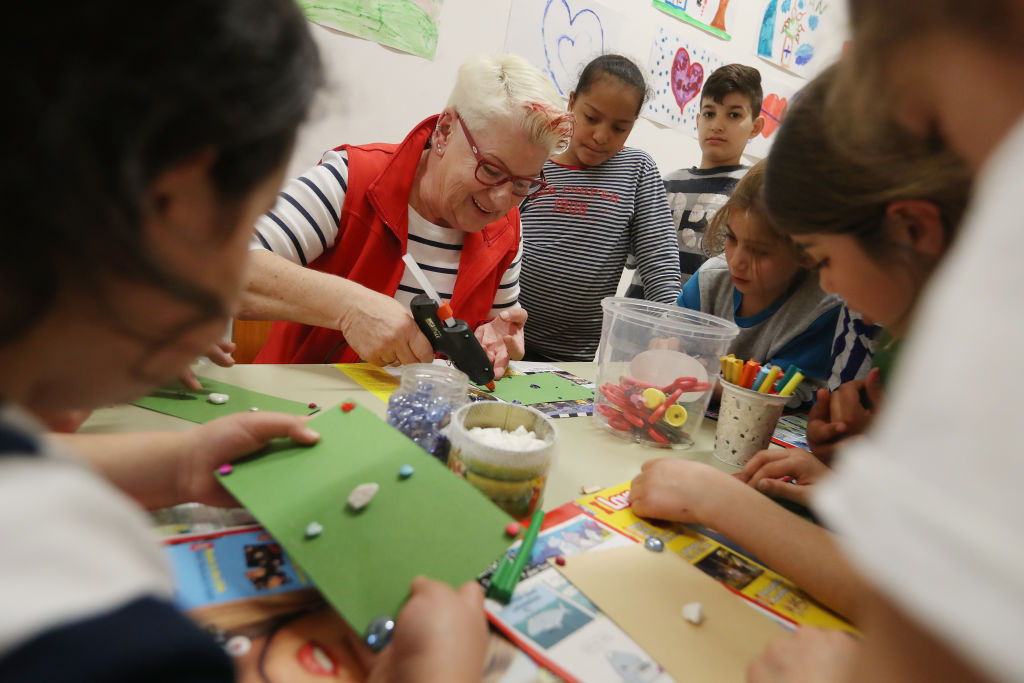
(841, 414)
(686, 491)
(160, 469)
(767, 469)
(440, 636)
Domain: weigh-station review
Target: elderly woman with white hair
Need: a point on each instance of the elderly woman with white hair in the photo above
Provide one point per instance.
(328, 257)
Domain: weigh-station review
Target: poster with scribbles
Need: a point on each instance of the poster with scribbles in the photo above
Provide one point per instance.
(407, 25)
(561, 36)
(708, 15)
(778, 96)
(678, 67)
(801, 36)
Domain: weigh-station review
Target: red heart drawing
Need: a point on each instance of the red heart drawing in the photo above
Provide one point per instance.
(686, 78)
(773, 109)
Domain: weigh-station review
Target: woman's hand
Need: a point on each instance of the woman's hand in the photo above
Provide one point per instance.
(769, 470)
(383, 332)
(841, 414)
(502, 338)
(440, 635)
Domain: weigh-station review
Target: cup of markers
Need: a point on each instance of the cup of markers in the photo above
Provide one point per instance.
(753, 398)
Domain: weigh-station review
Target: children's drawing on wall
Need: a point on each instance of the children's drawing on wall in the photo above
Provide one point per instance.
(778, 94)
(561, 36)
(801, 36)
(709, 15)
(676, 74)
(407, 25)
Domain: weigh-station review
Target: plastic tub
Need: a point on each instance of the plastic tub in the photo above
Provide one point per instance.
(657, 365)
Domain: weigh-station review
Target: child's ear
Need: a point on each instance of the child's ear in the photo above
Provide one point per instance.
(758, 127)
(918, 224)
(572, 99)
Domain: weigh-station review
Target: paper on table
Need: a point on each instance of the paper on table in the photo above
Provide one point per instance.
(194, 406)
(644, 593)
(540, 387)
(433, 523)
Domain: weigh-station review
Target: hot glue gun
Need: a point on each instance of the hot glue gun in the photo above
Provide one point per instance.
(447, 334)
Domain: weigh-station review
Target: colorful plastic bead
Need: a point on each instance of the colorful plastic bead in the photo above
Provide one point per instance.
(560, 561)
(312, 405)
(512, 529)
(675, 415)
(225, 469)
(653, 397)
(347, 406)
(405, 471)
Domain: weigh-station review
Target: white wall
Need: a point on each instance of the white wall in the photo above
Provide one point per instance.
(376, 94)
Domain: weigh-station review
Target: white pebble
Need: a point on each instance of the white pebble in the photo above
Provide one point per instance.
(693, 612)
(218, 398)
(362, 494)
(519, 439)
(314, 529)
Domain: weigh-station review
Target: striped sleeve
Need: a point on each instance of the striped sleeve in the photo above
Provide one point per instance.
(653, 238)
(508, 291)
(304, 221)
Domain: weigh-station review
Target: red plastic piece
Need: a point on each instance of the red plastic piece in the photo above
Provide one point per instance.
(347, 406)
(512, 529)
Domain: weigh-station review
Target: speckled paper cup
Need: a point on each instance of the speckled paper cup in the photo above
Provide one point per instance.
(746, 422)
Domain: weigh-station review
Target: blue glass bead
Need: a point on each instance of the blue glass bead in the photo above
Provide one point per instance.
(378, 633)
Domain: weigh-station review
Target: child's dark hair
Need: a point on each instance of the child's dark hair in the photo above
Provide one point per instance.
(103, 101)
(746, 197)
(622, 68)
(818, 182)
(746, 80)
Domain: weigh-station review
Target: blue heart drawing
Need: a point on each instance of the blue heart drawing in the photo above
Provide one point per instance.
(570, 41)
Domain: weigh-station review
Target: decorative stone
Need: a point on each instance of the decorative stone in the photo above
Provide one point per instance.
(560, 561)
(693, 612)
(347, 406)
(512, 529)
(378, 633)
(254, 409)
(362, 495)
(218, 398)
(314, 529)
(312, 405)
(405, 471)
(654, 544)
(225, 469)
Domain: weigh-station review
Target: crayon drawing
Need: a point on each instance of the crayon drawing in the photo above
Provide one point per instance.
(709, 15)
(800, 35)
(561, 36)
(778, 94)
(407, 25)
(676, 74)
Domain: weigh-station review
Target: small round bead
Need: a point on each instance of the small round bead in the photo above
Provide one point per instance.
(560, 561)
(347, 406)
(512, 529)
(312, 405)
(654, 544)
(405, 471)
(225, 469)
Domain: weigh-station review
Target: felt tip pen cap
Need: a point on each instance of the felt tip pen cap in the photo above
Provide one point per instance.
(784, 380)
(759, 378)
(792, 384)
(773, 375)
(506, 576)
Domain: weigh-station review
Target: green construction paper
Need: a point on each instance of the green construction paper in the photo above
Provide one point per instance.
(552, 387)
(194, 406)
(433, 523)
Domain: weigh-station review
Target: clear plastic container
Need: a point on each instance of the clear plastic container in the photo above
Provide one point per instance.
(657, 365)
(423, 403)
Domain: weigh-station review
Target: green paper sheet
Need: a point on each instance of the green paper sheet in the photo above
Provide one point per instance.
(433, 523)
(194, 406)
(549, 388)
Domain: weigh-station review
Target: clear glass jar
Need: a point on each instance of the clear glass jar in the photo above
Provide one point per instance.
(423, 403)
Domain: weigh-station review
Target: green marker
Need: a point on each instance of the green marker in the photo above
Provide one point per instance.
(506, 576)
